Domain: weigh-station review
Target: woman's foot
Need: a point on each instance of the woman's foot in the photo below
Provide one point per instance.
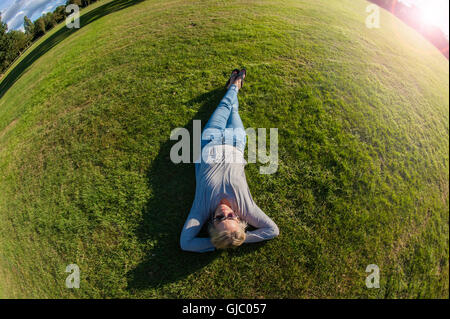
(239, 79)
(233, 76)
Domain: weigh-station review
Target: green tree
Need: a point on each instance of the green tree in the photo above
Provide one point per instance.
(85, 3)
(39, 28)
(12, 43)
(3, 44)
(77, 2)
(49, 20)
(17, 42)
(3, 25)
(59, 13)
(28, 25)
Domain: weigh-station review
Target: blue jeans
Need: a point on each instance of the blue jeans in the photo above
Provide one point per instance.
(225, 125)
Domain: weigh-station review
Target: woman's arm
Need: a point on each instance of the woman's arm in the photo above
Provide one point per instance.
(266, 228)
(192, 226)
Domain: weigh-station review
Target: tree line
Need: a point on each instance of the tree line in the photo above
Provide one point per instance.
(14, 42)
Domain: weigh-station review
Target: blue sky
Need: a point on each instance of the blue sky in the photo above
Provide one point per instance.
(13, 11)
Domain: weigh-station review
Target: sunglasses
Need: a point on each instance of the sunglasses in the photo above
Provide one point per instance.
(220, 218)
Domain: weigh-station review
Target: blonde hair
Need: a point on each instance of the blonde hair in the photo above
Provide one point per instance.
(226, 238)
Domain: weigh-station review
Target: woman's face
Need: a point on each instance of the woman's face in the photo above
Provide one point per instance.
(231, 223)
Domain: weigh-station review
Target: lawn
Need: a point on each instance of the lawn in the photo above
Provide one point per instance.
(363, 122)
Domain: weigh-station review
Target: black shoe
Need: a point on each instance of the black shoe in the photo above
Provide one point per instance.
(232, 76)
(242, 74)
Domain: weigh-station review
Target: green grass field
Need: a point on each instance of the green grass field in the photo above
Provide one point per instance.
(363, 122)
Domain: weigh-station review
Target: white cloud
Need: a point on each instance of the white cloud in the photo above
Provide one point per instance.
(16, 21)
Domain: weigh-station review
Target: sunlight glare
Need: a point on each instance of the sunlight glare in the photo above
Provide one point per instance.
(435, 13)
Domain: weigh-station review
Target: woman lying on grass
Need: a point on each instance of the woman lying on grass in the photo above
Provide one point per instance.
(222, 195)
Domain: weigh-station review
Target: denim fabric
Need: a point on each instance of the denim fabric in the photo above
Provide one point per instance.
(225, 125)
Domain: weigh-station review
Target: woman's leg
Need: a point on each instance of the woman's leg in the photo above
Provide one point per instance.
(235, 131)
(217, 123)
(234, 120)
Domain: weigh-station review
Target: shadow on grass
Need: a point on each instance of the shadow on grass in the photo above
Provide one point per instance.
(173, 188)
(59, 36)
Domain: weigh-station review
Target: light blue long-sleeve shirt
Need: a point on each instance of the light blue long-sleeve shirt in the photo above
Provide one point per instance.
(219, 177)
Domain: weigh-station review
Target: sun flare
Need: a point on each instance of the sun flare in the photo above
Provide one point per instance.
(435, 13)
